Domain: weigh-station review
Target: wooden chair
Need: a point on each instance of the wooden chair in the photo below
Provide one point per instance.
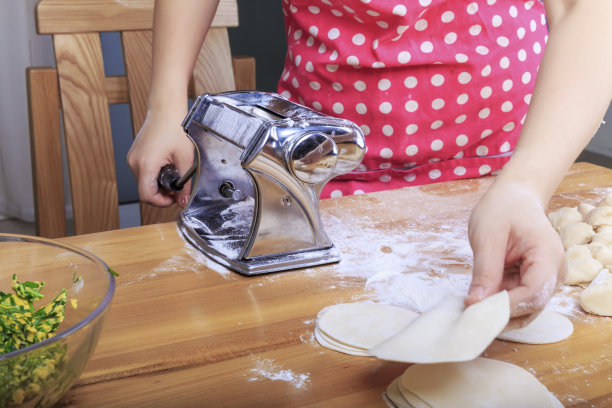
(79, 89)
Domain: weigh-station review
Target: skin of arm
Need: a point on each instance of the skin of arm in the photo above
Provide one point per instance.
(179, 29)
(514, 245)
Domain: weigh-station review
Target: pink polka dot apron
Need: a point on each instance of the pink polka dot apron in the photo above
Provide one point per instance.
(440, 88)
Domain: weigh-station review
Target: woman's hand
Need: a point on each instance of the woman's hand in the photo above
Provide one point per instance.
(515, 248)
(161, 141)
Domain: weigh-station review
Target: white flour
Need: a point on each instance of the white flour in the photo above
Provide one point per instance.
(199, 258)
(405, 267)
(266, 369)
(418, 291)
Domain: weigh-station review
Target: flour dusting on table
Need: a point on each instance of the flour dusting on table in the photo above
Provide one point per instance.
(405, 266)
(200, 259)
(267, 369)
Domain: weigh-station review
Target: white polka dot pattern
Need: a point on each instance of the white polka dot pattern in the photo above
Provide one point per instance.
(440, 88)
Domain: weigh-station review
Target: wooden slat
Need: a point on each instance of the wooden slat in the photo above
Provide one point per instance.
(70, 16)
(87, 131)
(137, 50)
(117, 89)
(213, 72)
(244, 72)
(46, 152)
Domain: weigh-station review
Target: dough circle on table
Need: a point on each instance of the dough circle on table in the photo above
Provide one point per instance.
(353, 328)
(403, 398)
(335, 345)
(477, 383)
(548, 327)
(448, 332)
(597, 297)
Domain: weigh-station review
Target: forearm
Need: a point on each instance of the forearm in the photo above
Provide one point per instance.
(179, 28)
(572, 91)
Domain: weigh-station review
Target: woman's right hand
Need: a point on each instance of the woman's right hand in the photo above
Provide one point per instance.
(161, 141)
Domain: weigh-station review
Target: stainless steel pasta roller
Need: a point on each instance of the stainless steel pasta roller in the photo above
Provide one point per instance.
(261, 162)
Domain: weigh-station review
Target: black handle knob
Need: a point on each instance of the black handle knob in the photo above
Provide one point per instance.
(170, 179)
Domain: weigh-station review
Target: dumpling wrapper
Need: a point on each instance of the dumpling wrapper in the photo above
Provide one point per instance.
(333, 344)
(480, 383)
(448, 332)
(363, 324)
(402, 398)
(548, 327)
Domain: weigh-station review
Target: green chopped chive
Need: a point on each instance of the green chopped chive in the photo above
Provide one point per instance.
(74, 278)
(115, 274)
(24, 378)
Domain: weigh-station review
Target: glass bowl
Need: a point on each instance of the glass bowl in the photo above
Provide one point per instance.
(38, 375)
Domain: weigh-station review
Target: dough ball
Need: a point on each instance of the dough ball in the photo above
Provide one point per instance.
(576, 233)
(603, 238)
(599, 216)
(601, 252)
(607, 200)
(582, 270)
(597, 297)
(564, 215)
(604, 229)
(578, 251)
(584, 208)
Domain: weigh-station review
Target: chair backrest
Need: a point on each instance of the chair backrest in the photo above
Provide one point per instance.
(79, 89)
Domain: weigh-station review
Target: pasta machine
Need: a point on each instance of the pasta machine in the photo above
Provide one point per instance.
(261, 163)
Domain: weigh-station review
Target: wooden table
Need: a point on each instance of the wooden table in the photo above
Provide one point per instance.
(184, 331)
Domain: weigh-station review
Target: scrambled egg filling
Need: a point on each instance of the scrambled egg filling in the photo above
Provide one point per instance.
(21, 325)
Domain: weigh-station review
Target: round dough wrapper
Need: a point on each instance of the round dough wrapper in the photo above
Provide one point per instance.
(548, 327)
(448, 332)
(398, 397)
(363, 324)
(332, 344)
(478, 383)
(597, 297)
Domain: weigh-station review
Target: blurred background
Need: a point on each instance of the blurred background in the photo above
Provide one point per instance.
(260, 35)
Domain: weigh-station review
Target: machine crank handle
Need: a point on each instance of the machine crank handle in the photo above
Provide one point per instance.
(170, 179)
